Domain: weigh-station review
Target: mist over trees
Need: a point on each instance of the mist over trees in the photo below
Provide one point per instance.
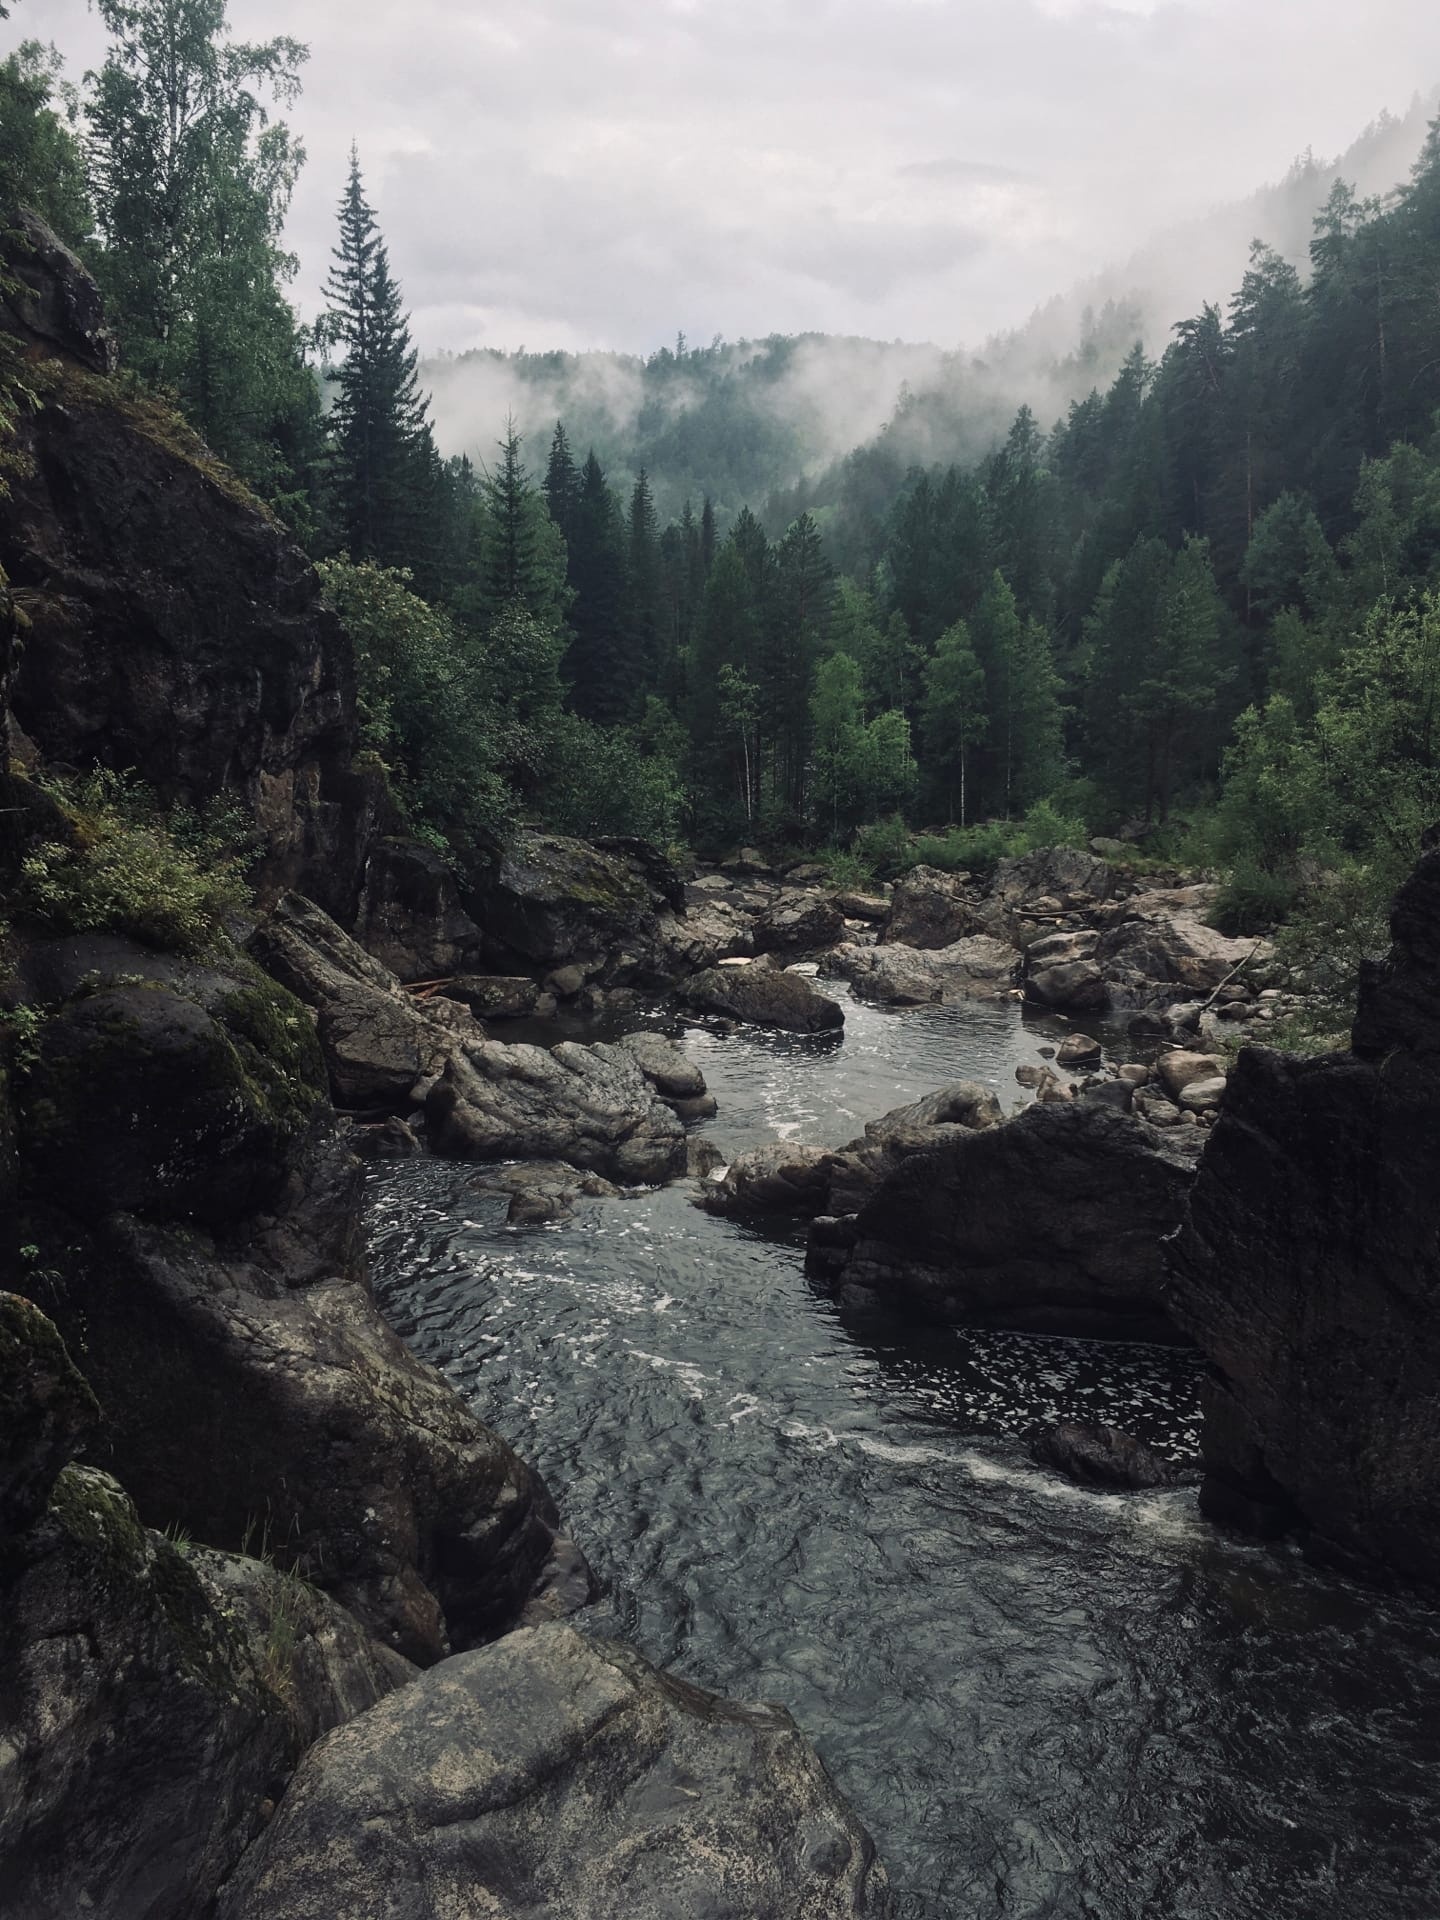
(1200, 594)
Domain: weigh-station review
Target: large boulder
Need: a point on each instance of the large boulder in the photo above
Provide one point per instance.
(1163, 952)
(929, 909)
(590, 1106)
(799, 923)
(1063, 875)
(1053, 1220)
(149, 1705)
(174, 629)
(979, 966)
(1061, 972)
(553, 901)
(1306, 1271)
(410, 916)
(763, 997)
(784, 1177)
(561, 1776)
(1101, 1457)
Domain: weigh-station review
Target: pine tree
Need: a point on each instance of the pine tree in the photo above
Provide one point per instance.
(562, 484)
(954, 719)
(380, 434)
(602, 688)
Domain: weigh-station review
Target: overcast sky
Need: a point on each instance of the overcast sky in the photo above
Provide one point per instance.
(576, 173)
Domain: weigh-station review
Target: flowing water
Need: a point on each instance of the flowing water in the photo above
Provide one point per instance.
(1043, 1702)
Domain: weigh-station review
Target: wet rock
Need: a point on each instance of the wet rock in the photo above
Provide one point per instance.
(561, 1775)
(1101, 1457)
(763, 997)
(799, 923)
(672, 1073)
(410, 916)
(779, 1177)
(1305, 1272)
(1077, 1050)
(783, 1177)
(377, 1040)
(1052, 1221)
(896, 975)
(591, 1106)
(540, 1192)
(930, 909)
(391, 1140)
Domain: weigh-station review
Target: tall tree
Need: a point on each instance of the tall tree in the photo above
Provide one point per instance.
(379, 426)
(953, 717)
(190, 184)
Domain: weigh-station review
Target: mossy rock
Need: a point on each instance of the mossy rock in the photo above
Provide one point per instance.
(47, 1412)
(141, 1101)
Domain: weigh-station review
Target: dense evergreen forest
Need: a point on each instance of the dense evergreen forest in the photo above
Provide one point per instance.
(1200, 610)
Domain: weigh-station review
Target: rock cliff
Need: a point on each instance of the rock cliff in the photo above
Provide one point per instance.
(1307, 1271)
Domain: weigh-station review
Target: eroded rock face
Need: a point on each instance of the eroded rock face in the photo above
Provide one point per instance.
(557, 1775)
(554, 901)
(1306, 1272)
(799, 923)
(174, 629)
(1053, 1220)
(410, 916)
(763, 997)
(1060, 874)
(1163, 952)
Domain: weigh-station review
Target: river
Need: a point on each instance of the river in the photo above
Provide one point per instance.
(1043, 1702)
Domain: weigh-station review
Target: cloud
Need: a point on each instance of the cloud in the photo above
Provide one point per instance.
(604, 172)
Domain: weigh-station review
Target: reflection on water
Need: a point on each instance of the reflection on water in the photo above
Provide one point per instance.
(1044, 1702)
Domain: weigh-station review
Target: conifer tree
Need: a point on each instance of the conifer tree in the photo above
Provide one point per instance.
(380, 432)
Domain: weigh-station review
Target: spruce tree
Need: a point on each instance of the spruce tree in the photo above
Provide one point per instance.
(380, 435)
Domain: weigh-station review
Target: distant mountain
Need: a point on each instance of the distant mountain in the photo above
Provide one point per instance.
(743, 420)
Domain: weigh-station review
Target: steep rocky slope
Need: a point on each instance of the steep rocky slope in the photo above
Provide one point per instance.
(1307, 1271)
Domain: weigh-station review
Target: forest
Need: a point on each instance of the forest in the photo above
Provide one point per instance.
(1198, 614)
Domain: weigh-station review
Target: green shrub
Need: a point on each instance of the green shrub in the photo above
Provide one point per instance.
(1045, 826)
(885, 848)
(129, 868)
(1252, 899)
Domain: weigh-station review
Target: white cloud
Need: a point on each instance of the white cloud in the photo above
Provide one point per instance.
(563, 172)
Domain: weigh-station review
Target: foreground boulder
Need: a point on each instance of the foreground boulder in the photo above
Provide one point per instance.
(1053, 1220)
(762, 996)
(1306, 1271)
(198, 1216)
(555, 1775)
(152, 1699)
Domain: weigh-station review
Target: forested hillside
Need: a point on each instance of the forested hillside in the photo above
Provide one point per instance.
(1207, 595)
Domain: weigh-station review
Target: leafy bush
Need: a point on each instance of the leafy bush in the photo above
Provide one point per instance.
(1253, 898)
(1045, 825)
(885, 848)
(129, 868)
(611, 780)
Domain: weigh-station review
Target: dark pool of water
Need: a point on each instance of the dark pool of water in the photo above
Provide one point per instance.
(1044, 1702)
